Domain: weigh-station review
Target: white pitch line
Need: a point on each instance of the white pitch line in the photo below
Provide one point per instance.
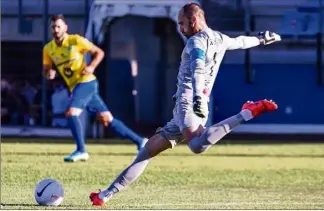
(234, 203)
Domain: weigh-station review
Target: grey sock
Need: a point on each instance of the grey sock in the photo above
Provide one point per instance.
(129, 175)
(214, 133)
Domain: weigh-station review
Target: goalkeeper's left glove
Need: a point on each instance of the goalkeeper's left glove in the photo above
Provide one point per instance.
(200, 106)
(268, 37)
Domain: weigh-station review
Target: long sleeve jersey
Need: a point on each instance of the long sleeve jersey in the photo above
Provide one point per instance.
(201, 58)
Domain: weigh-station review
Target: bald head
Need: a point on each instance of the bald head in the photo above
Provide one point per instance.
(192, 9)
(191, 19)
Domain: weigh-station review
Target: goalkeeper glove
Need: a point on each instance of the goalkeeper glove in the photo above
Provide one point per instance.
(268, 37)
(200, 106)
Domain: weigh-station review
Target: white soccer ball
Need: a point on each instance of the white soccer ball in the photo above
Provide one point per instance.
(49, 192)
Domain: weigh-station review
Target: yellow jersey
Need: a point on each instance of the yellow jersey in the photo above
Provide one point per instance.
(69, 59)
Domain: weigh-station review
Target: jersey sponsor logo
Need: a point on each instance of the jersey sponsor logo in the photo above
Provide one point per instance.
(68, 72)
(65, 62)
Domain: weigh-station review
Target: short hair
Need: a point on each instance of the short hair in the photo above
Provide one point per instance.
(57, 17)
(191, 9)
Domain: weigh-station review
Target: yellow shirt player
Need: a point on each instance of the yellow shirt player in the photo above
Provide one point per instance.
(69, 59)
(66, 52)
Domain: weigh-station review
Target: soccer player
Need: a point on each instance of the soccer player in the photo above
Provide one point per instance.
(199, 65)
(66, 52)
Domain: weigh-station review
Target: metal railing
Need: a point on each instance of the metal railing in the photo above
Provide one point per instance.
(248, 30)
(314, 6)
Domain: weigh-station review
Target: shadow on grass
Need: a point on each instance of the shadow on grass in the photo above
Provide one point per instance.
(18, 205)
(171, 154)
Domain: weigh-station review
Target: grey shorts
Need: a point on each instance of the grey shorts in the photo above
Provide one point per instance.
(183, 117)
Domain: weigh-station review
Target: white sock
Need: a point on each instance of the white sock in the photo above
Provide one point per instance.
(105, 195)
(246, 114)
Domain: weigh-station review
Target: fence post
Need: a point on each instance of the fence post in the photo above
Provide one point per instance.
(247, 56)
(319, 47)
(86, 14)
(44, 81)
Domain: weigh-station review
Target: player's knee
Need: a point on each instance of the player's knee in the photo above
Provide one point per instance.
(192, 132)
(73, 112)
(198, 145)
(195, 148)
(157, 144)
(105, 118)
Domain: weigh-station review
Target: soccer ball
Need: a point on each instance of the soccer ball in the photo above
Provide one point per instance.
(49, 192)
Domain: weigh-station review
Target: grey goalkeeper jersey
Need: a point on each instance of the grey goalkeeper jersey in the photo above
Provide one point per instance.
(201, 58)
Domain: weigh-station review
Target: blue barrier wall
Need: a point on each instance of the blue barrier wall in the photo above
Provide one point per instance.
(119, 84)
(293, 87)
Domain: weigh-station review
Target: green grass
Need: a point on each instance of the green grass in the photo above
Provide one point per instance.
(226, 177)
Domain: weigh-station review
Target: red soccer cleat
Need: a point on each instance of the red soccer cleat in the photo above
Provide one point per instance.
(96, 201)
(260, 107)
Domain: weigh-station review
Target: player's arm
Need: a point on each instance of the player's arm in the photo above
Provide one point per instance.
(88, 47)
(245, 42)
(197, 53)
(48, 72)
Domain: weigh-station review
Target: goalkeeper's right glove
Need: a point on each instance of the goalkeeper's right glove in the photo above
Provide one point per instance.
(268, 37)
(200, 106)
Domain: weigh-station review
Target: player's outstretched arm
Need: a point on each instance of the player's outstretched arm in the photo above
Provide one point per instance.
(245, 42)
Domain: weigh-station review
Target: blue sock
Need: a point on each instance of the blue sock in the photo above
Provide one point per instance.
(122, 130)
(76, 129)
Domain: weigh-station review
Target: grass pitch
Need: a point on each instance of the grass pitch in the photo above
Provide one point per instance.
(225, 177)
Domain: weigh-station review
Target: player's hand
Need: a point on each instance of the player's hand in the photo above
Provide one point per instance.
(200, 106)
(88, 70)
(268, 37)
(50, 75)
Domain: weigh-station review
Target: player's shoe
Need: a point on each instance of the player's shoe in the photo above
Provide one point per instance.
(142, 144)
(76, 156)
(95, 199)
(260, 107)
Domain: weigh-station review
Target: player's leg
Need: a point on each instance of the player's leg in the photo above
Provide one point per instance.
(164, 139)
(199, 139)
(153, 147)
(105, 117)
(81, 95)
